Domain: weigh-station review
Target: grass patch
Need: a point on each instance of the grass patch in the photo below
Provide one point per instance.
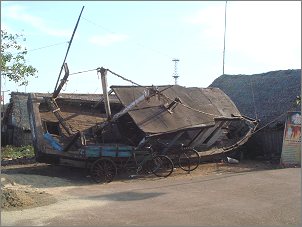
(11, 152)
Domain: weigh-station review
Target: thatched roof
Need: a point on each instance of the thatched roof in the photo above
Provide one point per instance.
(80, 97)
(274, 93)
(18, 110)
(18, 105)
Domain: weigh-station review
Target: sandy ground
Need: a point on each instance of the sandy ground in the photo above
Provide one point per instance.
(38, 184)
(40, 194)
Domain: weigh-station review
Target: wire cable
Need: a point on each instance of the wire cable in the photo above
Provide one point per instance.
(281, 115)
(253, 96)
(137, 43)
(85, 71)
(124, 78)
(51, 45)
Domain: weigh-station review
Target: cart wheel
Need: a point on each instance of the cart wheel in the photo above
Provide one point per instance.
(161, 166)
(103, 170)
(188, 160)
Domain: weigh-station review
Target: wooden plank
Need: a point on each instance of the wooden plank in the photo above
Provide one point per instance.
(35, 124)
(56, 111)
(204, 135)
(103, 73)
(217, 134)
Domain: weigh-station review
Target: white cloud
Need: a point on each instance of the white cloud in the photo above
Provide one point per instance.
(19, 13)
(106, 40)
(267, 32)
(264, 33)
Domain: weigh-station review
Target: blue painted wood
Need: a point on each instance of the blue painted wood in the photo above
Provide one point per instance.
(112, 150)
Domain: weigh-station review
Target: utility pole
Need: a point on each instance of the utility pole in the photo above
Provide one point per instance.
(225, 11)
(175, 75)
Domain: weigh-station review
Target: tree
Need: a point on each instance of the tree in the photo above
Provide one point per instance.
(13, 63)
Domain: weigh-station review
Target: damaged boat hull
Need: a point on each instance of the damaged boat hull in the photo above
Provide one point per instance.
(203, 119)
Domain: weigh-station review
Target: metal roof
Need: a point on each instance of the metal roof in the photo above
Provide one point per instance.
(198, 107)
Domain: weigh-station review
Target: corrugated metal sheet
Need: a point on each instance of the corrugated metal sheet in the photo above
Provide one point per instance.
(152, 116)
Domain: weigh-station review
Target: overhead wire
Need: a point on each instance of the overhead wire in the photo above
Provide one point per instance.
(137, 43)
(184, 105)
(253, 97)
(160, 93)
(43, 47)
(51, 45)
(97, 25)
(225, 18)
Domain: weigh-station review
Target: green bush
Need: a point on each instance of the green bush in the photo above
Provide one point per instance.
(11, 152)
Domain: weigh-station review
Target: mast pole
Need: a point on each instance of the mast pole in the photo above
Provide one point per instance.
(74, 30)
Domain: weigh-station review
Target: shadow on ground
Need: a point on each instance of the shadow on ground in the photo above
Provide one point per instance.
(41, 175)
(44, 175)
(126, 196)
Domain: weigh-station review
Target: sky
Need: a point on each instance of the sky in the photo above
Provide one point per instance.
(139, 40)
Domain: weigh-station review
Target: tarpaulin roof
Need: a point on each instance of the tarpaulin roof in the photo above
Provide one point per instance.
(198, 107)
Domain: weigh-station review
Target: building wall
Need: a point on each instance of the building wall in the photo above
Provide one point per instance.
(17, 137)
(266, 143)
(21, 137)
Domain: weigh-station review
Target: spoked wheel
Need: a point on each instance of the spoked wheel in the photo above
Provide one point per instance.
(189, 160)
(161, 166)
(103, 170)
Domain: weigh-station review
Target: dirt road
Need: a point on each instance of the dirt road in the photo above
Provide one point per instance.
(216, 194)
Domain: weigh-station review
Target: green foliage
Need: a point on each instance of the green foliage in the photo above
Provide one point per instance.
(11, 152)
(13, 63)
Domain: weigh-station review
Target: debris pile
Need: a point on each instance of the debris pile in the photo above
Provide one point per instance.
(14, 196)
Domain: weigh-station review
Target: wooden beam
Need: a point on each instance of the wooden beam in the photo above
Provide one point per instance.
(105, 92)
(56, 111)
(217, 134)
(35, 124)
(204, 135)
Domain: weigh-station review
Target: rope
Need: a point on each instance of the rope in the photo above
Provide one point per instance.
(191, 108)
(186, 106)
(273, 120)
(83, 71)
(160, 93)
(124, 78)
